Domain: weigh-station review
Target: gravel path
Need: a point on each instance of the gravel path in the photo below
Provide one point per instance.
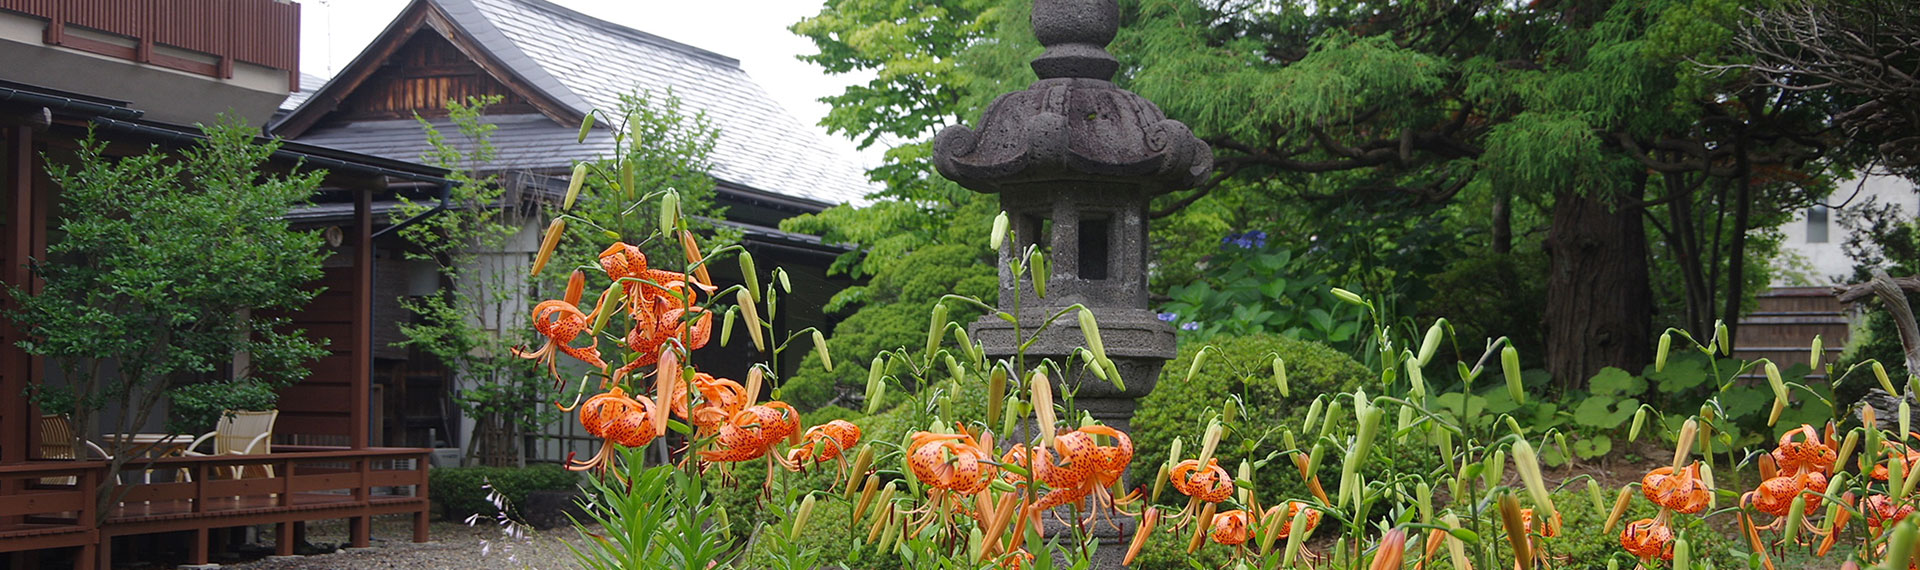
(454, 545)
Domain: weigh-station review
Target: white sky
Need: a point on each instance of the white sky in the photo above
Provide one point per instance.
(752, 31)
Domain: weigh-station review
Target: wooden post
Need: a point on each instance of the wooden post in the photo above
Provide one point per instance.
(421, 491)
(359, 531)
(17, 425)
(363, 318)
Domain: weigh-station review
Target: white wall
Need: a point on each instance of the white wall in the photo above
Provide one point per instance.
(1822, 261)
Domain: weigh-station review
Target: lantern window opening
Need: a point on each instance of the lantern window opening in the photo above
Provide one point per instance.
(1095, 239)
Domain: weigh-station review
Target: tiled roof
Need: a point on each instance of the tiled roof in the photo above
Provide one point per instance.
(585, 63)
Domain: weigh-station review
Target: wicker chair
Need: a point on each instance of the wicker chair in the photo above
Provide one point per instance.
(56, 442)
(240, 433)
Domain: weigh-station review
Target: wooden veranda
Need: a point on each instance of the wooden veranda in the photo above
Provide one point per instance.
(54, 504)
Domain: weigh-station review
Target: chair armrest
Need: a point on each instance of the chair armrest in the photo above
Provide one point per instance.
(197, 440)
(257, 442)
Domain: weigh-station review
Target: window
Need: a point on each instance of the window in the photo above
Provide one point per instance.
(1817, 224)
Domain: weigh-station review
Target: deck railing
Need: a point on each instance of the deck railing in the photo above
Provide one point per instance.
(288, 487)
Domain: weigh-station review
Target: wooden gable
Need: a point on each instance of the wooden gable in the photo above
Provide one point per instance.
(420, 78)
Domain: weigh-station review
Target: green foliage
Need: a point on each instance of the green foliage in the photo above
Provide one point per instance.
(649, 517)
(454, 326)
(1489, 297)
(894, 312)
(1241, 369)
(162, 268)
(197, 408)
(1252, 290)
(461, 492)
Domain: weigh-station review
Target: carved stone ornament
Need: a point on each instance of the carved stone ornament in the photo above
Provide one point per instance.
(1073, 124)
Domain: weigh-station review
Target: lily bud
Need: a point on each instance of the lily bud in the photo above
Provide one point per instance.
(1620, 505)
(1847, 446)
(751, 274)
(755, 377)
(1199, 359)
(1528, 464)
(786, 285)
(1880, 373)
(873, 383)
(1392, 551)
(1599, 497)
(1423, 494)
(609, 304)
(1900, 546)
(1313, 413)
(752, 314)
(669, 211)
(1660, 355)
(1159, 481)
(555, 229)
(1722, 338)
(1456, 548)
(1813, 356)
(574, 183)
(935, 325)
(1796, 514)
(586, 125)
(1683, 550)
(1639, 419)
(726, 325)
(800, 518)
(1510, 366)
(1280, 376)
(820, 345)
(1042, 392)
(1349, 296)
(1431, 343)
(1140, 534)
(996, 392)
(1516, 531)
(1200, 530)
(999, 234)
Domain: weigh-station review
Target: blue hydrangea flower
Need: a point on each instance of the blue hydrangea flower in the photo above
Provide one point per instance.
(1192, 326)
(1169, 317)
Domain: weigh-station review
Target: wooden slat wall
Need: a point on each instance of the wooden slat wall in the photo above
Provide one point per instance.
(421, 77)
(1782, 326)
(263, 32)
(321, 405)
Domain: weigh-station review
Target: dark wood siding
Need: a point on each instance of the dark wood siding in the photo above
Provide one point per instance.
(426, 73)
(262, 32)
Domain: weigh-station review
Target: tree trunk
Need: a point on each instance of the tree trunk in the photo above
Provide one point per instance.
(1503, 222)
(1599, 306)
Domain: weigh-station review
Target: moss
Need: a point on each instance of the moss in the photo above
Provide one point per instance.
(1241, 367)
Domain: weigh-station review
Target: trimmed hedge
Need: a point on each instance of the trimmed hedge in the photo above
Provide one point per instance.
(1243, 366)
(461, 491)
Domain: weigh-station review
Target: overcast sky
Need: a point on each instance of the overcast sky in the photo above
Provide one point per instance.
(752, 31)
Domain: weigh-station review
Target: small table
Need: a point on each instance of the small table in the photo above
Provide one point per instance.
(162, 444)
(151, 445)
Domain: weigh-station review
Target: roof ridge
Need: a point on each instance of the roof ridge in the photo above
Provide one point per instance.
(634, 33)
(474, 20)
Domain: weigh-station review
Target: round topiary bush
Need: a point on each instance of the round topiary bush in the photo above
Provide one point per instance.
(1243, 366)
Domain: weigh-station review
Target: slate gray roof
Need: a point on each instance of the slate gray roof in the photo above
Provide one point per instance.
(309, 83)
(585, 64)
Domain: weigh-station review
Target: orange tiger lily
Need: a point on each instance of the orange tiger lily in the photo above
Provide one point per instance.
(823, 442)
(952, 461)
(1648, 539)
(753, 431)
(1088, 468)
(1809, 454)
(618, 419)
(1231, 528)
(561, 322)
(1210, 485)
(1883, 512)
(1684, 492)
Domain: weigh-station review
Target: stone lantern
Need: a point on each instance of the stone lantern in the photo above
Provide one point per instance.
(1076, 161)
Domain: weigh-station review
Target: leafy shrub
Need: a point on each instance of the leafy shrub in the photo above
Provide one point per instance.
(1242, 367)
(462, 491)
(197, 407)
(1255, 289)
